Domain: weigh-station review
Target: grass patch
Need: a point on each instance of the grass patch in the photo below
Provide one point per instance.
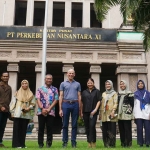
(81, 145)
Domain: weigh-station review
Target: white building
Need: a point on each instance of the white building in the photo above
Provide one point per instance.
(91, 54)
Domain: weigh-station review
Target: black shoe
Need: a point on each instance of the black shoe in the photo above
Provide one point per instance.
(48, 144)
(64, 145)
(41, 145)
(141, 145)
(147, 145)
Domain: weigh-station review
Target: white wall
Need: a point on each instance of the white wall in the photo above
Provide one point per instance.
(113, 18)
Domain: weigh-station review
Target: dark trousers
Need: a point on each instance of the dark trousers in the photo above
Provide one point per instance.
(3, 121)
(19, 132)
(125, 129)
(42, 121)
(68, 109)
(109, 134)
(90, 124)
(140, 124)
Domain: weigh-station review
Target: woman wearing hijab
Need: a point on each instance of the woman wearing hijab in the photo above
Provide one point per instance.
(108, 114)
(91, 98)
(125, 114)
(22, 108)
(142, 113)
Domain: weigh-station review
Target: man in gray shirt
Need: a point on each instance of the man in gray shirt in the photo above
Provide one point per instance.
(69, 103)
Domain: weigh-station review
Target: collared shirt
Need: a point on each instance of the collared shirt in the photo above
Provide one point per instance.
(90, 99)
(70, 90)
(47, 96)
(5, 96)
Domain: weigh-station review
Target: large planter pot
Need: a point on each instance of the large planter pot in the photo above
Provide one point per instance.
(81, 130)
(30, 128)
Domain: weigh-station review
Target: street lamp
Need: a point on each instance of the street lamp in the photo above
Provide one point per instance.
(44, 45)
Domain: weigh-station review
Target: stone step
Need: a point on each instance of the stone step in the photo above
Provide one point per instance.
(9, 129)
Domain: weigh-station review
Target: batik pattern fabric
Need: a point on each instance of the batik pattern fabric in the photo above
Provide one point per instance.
(47, 96)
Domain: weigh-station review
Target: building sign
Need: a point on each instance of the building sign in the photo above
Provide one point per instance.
(58, 34)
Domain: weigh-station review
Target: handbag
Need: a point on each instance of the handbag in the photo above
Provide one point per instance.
(12, 109)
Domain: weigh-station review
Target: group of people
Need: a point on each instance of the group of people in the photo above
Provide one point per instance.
(122, 107)
(111, 107)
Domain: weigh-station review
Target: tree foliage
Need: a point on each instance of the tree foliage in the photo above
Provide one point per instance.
(139, 10)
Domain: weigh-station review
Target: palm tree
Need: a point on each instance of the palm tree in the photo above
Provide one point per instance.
(139, 10)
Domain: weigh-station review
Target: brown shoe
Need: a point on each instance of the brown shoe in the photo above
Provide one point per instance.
(2, 145)
(89, 145)
(93, 145)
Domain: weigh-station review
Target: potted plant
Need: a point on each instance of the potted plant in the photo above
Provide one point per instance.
(81, 127)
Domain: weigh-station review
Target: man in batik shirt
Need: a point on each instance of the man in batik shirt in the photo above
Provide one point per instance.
(47, 98)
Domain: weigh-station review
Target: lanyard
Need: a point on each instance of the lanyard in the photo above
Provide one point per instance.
(143, 105)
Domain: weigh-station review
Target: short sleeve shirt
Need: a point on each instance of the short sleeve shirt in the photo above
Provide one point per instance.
(47, 96)
(90, 99)
(70, 90)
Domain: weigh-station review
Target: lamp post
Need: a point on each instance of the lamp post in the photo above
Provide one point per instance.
(44, 44)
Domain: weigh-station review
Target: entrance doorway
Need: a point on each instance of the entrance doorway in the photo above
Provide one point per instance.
(27, 72)
(108, 73)
(3, 67)
(55, 69)
(82, 71)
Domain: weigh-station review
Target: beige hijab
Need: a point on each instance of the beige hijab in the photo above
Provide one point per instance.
(24, 95)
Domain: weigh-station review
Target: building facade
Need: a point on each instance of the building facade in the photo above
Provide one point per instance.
(102, 59)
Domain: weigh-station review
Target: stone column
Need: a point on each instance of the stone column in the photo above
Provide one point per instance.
(95, 71)
(13, 70)
(38, 69)
(68, 12)
(65, 68)
(50, 13)
(9, 12)
(30, 13)
(86, 14)
(2, 11)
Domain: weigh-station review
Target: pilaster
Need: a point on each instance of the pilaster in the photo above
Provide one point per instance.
(86, 14)
(38, 70)
(68, 12)
(50, 13)
(30, 13)
(9, 12)
(13, 70)
(95, 71)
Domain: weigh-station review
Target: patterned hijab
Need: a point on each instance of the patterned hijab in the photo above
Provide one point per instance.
(109, 93)
(24, 95)
(142, 95)
(122, 94)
